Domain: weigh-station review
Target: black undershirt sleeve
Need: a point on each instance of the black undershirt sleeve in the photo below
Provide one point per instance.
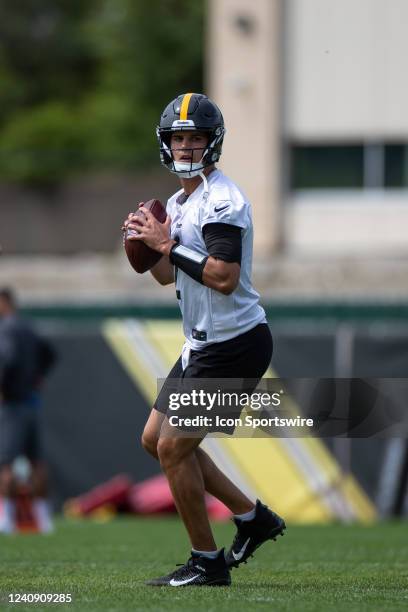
(223, 241)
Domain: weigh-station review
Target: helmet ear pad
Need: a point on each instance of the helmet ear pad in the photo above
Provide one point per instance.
(164, 138)
(214, 148)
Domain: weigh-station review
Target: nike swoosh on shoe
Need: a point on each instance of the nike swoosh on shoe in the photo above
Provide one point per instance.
(176, 583)
(237, 556)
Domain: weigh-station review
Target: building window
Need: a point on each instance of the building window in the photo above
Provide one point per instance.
(396, 166)
(348, 166)
(327, 167)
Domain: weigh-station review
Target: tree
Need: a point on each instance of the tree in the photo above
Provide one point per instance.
(45, 52)
(84, 81)
(154, 52)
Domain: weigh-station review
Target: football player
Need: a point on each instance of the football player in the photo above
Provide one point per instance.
(206, 247)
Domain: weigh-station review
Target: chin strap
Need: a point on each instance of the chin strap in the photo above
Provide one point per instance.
(206, 191)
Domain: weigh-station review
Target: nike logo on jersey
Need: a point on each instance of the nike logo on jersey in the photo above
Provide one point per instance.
(220, 208)
(238, 556)
(174, 582)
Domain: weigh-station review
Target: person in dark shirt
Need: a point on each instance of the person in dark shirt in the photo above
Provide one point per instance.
(25, 360)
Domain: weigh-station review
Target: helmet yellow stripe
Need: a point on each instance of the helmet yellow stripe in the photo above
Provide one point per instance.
(184, 106)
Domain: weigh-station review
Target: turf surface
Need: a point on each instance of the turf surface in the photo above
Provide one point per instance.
(312, 568)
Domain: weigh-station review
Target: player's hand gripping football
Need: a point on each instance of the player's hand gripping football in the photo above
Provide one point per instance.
(154, 234)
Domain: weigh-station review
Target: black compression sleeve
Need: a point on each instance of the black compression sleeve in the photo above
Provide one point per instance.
(191, 262)
(223, 241)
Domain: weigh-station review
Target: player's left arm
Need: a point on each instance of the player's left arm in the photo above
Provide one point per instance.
(219, 270)
(223, 266)
(221, 276)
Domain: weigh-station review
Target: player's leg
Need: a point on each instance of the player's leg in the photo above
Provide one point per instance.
(215, 481)
(39, 479)
(220, 486)
(151, 432)
(39, 472)
(180, 464)
(7, 510)
(6, 480)
(41, 505)
(11, 445)
(252, 354)
(207, 565)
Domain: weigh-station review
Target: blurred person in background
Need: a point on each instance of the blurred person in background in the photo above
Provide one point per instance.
(25, 360)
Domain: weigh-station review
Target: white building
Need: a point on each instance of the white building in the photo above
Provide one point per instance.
(315, 99)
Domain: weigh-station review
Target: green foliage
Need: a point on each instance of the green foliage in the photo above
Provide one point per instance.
(44, 45)
(42, 145)
(84, 82)
(115, 136)
(162, 46)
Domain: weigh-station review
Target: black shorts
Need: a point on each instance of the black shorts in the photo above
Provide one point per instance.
(245, 357)
(20, 433)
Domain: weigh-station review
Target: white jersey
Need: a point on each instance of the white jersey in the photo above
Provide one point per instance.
(208, 315)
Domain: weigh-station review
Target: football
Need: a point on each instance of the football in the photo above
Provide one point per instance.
(140, 256)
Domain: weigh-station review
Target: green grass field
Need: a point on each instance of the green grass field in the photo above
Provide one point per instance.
(312, 568)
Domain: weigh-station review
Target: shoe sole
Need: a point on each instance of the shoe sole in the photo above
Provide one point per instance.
(272, 535)
(209, 584)
(217, 583)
